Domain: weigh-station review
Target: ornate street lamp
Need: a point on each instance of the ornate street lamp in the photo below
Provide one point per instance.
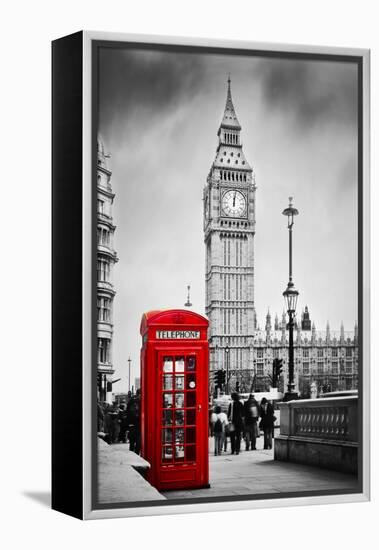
(227, 351)
(290, 296)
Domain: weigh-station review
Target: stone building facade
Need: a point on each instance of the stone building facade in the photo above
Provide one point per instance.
(327, 358)
(229, 229)
(236, 343)
(106, 258)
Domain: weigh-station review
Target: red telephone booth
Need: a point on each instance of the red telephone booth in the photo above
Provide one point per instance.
(174, 402)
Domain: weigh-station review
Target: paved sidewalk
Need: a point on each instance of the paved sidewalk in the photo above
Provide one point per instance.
(256, 472)
(119, 480)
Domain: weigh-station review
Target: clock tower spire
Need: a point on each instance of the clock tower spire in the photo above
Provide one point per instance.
(229, 229)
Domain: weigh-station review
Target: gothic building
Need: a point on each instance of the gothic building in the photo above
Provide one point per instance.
(106, 258)
(229, 229)
(236, 342)
(328, 358)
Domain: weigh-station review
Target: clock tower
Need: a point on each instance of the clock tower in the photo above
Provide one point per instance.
(229, 228)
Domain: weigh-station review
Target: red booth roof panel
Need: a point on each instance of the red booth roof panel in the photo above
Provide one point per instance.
(171, 317)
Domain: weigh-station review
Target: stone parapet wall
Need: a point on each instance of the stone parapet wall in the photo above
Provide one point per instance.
(320, 432)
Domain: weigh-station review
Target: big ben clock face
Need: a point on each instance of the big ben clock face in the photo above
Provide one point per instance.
(233, 203)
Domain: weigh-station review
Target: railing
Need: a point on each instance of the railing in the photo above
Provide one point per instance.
(319, 431)
(322, 422)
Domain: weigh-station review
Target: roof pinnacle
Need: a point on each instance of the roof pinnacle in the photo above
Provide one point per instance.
(230, 118)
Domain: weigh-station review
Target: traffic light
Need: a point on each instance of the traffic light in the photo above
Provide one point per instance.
(223, 377)
(219, 378)
(277, 367)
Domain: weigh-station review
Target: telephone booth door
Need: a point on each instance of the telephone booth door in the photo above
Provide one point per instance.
(181, 417)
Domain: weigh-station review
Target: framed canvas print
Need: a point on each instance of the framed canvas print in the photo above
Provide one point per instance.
(210, 275)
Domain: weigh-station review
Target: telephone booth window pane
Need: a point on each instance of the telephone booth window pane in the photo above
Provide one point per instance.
(167, 382)
(191, 363)
(179, 400)
(191, 382)
(179, 382)
(167, 418)
(167, 436)
(191, 417)
(167, 454)
(168, 364)
(191, 399)
(179, 453)
(191, 452)
(179, 417)
(190, 435)
(167, 400)
(179, 435)
(179, 364)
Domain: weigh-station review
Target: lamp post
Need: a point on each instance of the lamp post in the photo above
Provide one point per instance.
(188, 302)
(129, 361)
(227, 351)
(290, 296)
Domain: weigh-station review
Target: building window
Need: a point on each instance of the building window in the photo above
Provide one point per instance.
(349, 367)
(260, 371)
(349, 352)
(320, 368)
(103, 270)
(104, 309)
(334, 352)
(103, 350)
(334, 367)
(103, 236)
(276, 353)
(305, 352)
(320, 353)
(305, 368)
(100, 206)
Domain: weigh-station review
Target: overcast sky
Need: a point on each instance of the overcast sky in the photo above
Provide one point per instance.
(159, 113)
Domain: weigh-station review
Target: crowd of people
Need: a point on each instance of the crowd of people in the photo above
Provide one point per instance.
(120, 422)
(243, 420)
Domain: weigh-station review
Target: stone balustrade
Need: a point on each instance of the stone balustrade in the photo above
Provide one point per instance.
(319, 432)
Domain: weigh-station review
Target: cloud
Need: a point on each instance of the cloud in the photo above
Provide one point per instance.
(310, 92)
(152, 82)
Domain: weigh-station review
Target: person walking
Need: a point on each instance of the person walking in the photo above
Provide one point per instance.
(266, 412)
(115, 422)
(219, 423)
(251, 414)
(100, 417)
(235, 418)
(134, 419)
(123, 424)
